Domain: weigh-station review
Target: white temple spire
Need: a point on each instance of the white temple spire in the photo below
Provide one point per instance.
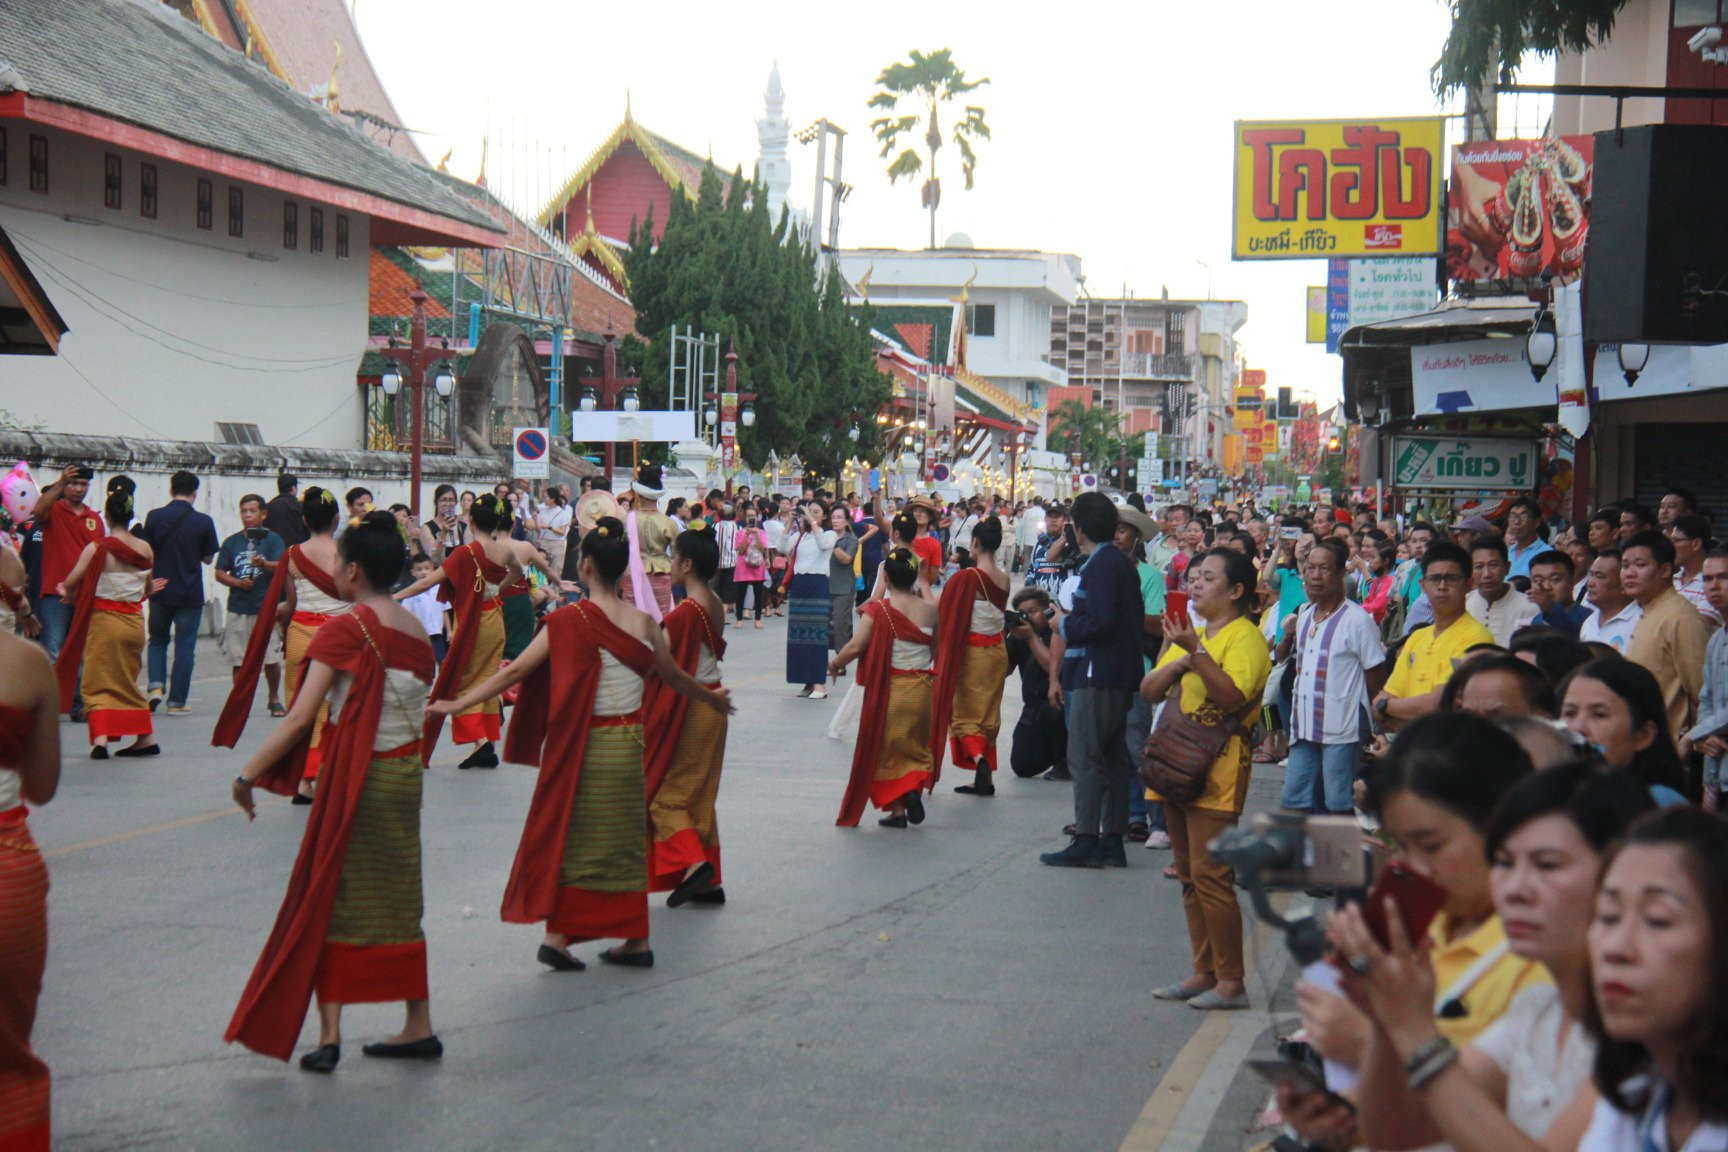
(773, 132)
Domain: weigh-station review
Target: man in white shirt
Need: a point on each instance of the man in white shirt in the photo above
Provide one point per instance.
(1340, 667)
(1690, 535)
(1613, 612)
(1495, 604)
(1026, 534)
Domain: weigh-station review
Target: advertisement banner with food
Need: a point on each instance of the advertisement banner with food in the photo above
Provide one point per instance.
(1519, 208)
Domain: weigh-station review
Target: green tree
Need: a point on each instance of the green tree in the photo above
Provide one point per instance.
(1492, 36)
(926, 81)
(723, 265)
(1093, 431)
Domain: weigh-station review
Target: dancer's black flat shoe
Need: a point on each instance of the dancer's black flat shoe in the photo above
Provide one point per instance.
(643, 959)
(914, 807)
(714, 896)
(892, 821)
(133, 750)
(323, 1059)
(484, 756)
(980, 786)
(696, 882)
(559, 960)
(429, 1048)
(301, 798)
(99, 752)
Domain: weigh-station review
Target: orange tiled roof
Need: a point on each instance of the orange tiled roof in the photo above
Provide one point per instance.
(389, 290)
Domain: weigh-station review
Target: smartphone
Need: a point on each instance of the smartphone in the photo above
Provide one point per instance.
(1418, 900)
(1301, 1077)
(1289, 533)
(1176, 604)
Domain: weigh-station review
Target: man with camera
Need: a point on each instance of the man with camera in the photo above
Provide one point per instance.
(244, 566)
(1041, 734)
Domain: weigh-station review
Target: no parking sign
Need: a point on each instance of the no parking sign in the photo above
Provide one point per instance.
(532, 458)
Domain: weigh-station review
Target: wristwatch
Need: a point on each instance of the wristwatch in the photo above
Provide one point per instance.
(1382, 704)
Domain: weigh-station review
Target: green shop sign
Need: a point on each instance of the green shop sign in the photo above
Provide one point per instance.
(1464, 463)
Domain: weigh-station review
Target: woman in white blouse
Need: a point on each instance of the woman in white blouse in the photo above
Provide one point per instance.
(809, 544)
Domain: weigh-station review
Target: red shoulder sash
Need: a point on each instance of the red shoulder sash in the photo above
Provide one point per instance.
(466, 569)
(72, 649)
(688, 627)
(874, 669)
(232, 723)
(273, 1006)
(564, 687)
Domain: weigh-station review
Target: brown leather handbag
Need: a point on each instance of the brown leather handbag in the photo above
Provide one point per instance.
(1180, 749)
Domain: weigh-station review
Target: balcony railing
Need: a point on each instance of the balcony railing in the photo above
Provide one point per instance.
(1166, 366)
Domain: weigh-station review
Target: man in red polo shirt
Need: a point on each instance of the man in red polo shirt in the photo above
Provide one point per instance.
(67, 526)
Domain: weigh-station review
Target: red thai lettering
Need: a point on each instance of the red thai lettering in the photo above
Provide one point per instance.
(1261, 142)
(1356, 173)
(1420, 162)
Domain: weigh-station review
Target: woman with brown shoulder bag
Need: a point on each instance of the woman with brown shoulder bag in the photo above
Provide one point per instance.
(1196, 760)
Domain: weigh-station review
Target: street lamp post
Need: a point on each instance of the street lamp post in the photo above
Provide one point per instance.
(721, 410)
(420, 357)
(610, 390)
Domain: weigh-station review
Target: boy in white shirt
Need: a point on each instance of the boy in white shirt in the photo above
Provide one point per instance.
(428, 609)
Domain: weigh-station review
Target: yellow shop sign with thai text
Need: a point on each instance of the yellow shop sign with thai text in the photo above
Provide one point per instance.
(1310, 189)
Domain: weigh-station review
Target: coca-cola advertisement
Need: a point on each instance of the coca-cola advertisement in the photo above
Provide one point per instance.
(1518, 208)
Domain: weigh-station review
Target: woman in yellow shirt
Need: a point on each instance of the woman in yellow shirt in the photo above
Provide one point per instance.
(1222, 672)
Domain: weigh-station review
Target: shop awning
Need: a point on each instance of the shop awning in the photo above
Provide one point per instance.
(29, 325)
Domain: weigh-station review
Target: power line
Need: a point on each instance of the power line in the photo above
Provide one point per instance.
(40, 243)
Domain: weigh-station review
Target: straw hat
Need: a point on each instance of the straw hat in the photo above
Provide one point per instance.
(595, 503)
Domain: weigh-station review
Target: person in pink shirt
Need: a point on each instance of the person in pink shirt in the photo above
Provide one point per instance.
(752, 569)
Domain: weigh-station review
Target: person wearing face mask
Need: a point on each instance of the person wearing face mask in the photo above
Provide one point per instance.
(1524, 1084)
(1434, 793)
(1617, 706)
(1658, 948)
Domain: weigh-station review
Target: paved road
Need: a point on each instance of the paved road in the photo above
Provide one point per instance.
(927, 989)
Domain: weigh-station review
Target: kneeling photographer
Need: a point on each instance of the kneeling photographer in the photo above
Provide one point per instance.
(1041, 735)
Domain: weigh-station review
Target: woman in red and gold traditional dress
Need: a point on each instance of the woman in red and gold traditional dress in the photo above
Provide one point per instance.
(582, 866)
(302, 598)
(29, 773)
(687, 742)
(349, 925)
(971, 663)
(108, 586)
(892, 761)
(473, 576)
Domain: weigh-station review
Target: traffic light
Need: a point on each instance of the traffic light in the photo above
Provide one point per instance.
(1332, 444)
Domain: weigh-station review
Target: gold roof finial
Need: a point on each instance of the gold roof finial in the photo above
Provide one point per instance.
(444, 164)
(480, 180)
(332, 94)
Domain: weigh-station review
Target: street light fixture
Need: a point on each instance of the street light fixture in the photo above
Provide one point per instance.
(589, 402)
(1542, 342)
(1633, 358)
(854, 434)
(710, 417)
(392, 378)
(1368, 403)
(632, 403)
(444, 381)
(748, 416)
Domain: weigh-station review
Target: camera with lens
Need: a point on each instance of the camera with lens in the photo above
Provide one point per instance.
(1289, 853)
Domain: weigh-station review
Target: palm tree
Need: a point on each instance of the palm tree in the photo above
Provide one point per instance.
(927, 81)
(1092, 431)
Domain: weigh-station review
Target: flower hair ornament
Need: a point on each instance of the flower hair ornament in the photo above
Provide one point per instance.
(602, 530)
(325, 496)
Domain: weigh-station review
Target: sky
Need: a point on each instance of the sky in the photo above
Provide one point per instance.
(1111, 123)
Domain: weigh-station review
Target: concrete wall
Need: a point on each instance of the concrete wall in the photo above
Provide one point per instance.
(174, 328)
(229, 472)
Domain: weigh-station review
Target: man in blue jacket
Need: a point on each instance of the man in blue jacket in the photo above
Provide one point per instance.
(1101, 672)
